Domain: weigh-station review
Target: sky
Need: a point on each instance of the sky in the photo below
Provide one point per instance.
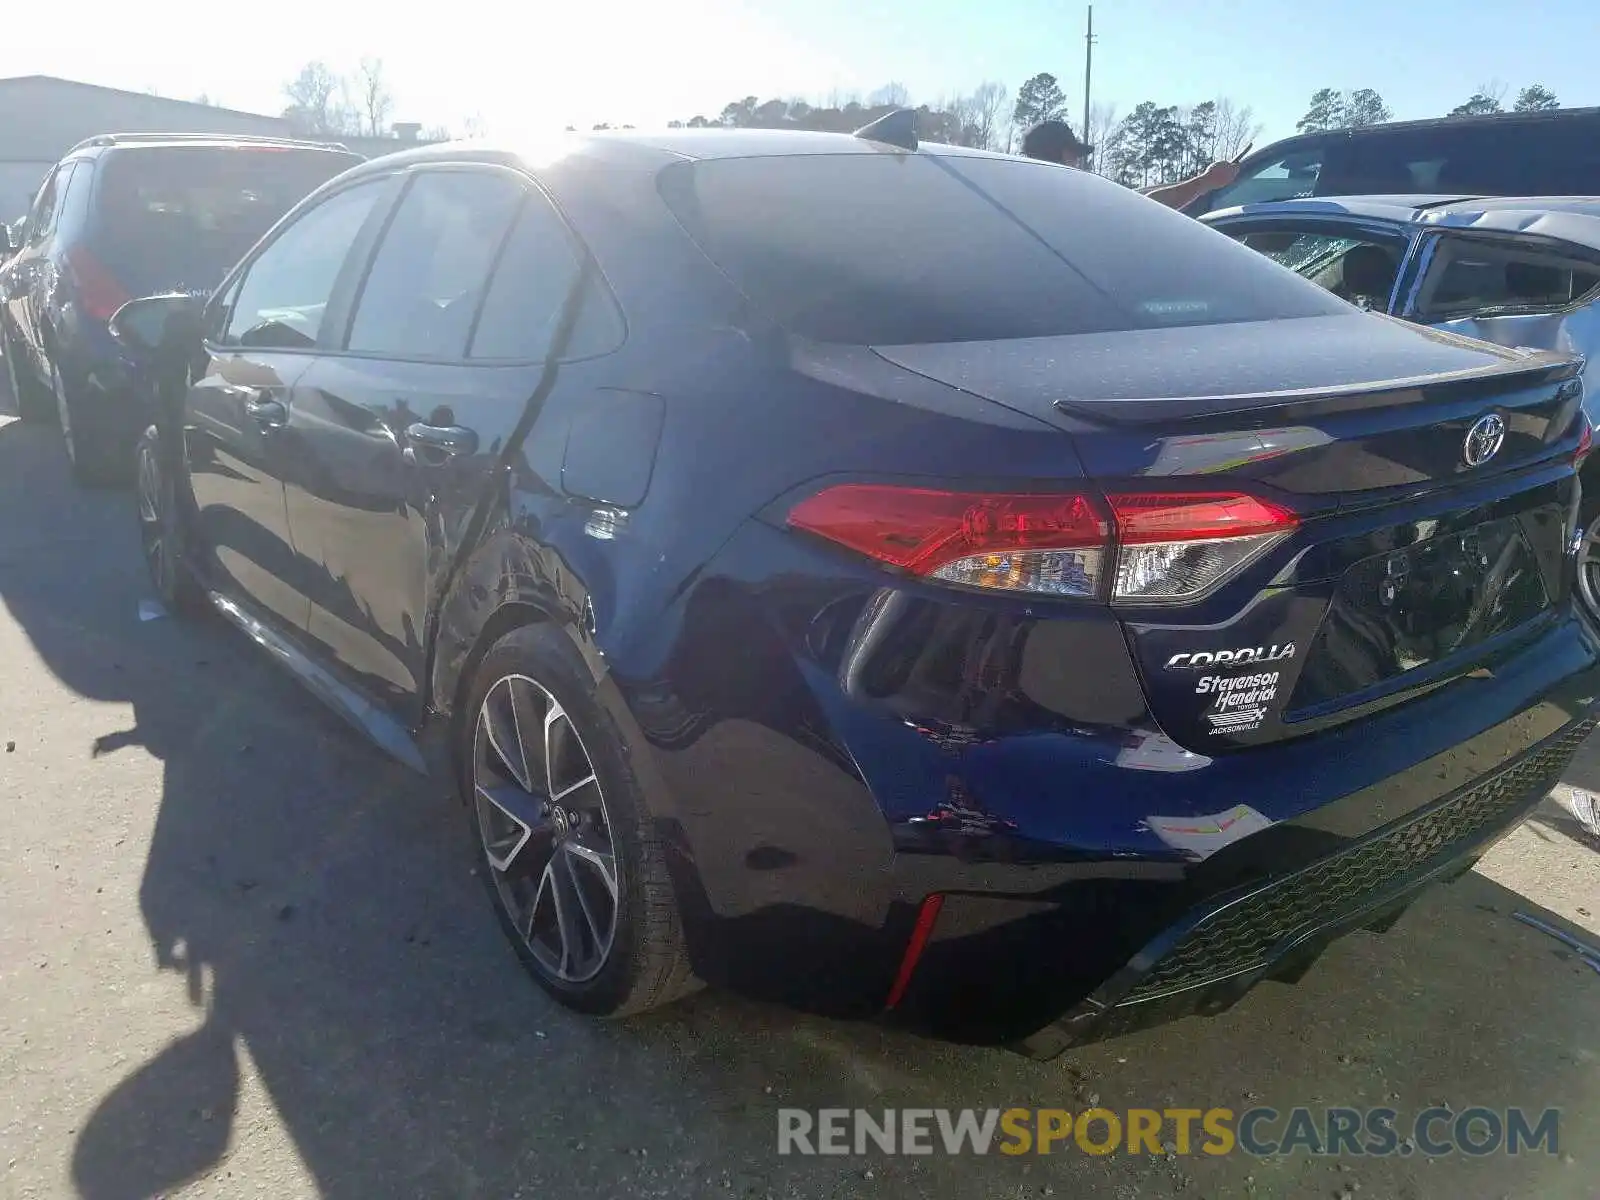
(515, 68)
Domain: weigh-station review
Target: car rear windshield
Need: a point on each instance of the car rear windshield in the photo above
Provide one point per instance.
(889, 249)
(179, 217)
(1550, 157)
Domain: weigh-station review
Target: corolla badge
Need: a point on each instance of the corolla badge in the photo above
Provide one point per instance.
(1244, 656)
(1483, 440)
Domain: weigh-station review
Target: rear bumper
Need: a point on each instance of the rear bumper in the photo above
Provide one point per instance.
(867, 748)
(1208, 959)
(115, 402)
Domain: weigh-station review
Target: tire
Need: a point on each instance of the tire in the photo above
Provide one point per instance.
(32, 401)
(1589, 558)
(92, 452)
(163, 533)
(544, 867)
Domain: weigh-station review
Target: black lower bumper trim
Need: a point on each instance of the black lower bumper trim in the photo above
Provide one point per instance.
(1213, 955)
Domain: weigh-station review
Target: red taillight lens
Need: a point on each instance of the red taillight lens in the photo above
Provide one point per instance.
(1167, 547)
(99, 293)
(1049, 544)
(1195, 517)
(1585, 441)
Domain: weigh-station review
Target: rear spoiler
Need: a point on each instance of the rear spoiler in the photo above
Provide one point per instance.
(1534, 368)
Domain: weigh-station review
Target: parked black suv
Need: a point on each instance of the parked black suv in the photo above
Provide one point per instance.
(124, 215)
(1550, 153)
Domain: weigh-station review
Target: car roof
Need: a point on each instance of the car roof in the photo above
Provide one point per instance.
(1362, 132)
(1570, 218)
(648, 150)
(106, 142)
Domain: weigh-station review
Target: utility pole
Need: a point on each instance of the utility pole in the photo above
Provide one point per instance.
(1088, 68)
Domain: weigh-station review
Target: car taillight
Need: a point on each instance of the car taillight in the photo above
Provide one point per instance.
(99, 293)
(1050, 544)
(1175, 547)
(1160, 547)
(1585, 441)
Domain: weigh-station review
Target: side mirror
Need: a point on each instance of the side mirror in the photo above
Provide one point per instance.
(156, 324)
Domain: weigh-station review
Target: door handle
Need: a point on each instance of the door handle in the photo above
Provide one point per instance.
(445, 440)
(266, 411)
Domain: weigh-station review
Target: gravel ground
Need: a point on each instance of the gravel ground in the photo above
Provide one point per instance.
(241, 954)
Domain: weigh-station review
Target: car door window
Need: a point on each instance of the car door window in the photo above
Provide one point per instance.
(1287, 178)
(428, 278)
(1361, 270)
(42, 220)
(283, 296)
(529, 290)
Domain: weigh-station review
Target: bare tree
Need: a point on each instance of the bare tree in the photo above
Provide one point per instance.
(317, 102)
(892, 95)
(436, 133)
(1102, 125)
(377, 102)
(963, 124)
(1236, 128)
(989, 113)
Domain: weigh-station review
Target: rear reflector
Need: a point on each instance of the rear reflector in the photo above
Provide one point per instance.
(927, 916)
(1164, 547)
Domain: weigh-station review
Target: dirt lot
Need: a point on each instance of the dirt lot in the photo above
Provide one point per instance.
(241, 954)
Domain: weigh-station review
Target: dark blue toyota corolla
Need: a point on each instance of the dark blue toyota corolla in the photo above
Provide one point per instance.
(878, 576)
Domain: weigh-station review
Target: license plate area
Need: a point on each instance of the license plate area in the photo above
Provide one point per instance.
(1413, 606)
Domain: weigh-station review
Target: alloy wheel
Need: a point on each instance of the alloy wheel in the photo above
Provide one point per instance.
(544, 828)
(63, 413)
(1589, 567)
(152, 520)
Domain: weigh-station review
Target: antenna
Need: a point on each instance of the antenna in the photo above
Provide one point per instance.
(898, 128)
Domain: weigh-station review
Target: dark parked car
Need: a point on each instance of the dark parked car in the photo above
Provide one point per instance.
(878, 577)
(1513, 270)
(1550, 153)
(125, 215)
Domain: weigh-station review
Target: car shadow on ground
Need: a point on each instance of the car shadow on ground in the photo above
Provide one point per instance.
(314, 906)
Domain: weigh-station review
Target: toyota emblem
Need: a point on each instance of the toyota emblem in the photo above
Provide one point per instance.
(1484, 439)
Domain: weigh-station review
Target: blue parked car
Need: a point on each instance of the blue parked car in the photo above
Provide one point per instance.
(881, 577)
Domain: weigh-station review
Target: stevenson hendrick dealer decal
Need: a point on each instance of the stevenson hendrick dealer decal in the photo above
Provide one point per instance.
(1245, 656)
(1240, 703)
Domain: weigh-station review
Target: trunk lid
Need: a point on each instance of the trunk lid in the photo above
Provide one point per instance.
(1432, 475)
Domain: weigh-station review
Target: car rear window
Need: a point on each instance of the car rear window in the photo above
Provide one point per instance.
(890, 249)
(179, 217)
(1552, 157)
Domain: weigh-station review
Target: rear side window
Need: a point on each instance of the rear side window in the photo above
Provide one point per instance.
(428, 278)
(283, 296)
(1471, 278)
(895, 249)
(42, 218)
(179, 217)
(74, 202)
(529, 292)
